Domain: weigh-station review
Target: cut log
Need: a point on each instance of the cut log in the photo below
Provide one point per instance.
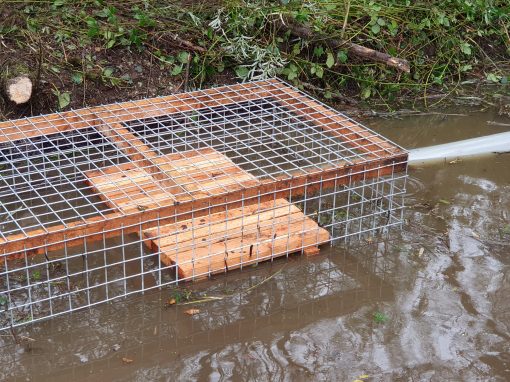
(306, 32)
(18, 89)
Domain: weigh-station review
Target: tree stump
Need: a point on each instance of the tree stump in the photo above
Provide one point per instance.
(18, 89)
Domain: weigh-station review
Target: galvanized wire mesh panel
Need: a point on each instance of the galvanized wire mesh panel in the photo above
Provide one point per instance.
(105, 202)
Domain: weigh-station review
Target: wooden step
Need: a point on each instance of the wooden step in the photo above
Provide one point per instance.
(228, 240)
(192, 174)
(206, 173)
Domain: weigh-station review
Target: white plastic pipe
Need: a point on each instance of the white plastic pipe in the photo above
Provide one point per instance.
(490, 144)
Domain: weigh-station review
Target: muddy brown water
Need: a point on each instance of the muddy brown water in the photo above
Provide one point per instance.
(440, 288)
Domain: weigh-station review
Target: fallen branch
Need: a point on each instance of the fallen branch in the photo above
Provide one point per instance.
(306, 32)
(185, 43)
(496, 123)
(334, 95)
(205, 299)
(401, 113)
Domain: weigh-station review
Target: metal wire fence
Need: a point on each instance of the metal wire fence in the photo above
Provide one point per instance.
(105, 202)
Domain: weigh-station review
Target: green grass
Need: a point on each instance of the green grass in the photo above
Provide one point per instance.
(380, 318)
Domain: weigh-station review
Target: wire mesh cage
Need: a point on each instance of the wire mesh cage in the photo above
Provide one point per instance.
(104, 202)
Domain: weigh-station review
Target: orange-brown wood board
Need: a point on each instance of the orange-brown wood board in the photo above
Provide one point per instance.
(200, 173)
(147, 188)
(212, 243)
(235, 238)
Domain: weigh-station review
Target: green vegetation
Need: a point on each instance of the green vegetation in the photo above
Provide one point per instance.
(96, 51)
(380, 318)
(36, 276)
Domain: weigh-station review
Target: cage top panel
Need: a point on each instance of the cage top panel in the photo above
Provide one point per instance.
(95, 167)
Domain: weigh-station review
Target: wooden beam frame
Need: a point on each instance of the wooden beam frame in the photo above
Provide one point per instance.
(140, 154)
(146, 108)
(221, 96)
(97, 228)
(381, 158)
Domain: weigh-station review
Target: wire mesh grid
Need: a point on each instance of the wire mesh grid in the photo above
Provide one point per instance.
(105, 202)
(330, 285)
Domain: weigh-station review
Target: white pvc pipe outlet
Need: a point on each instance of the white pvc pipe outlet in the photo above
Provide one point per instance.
(490, 144)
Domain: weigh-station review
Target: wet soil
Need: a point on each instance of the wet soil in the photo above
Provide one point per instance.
(428, 303)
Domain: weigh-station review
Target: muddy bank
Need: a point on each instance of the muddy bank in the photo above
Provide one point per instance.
(384, 57)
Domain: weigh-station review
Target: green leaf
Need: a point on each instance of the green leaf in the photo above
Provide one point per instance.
(465, 48)
(444, 201)
(393, 28)
(242, 72)
(291, 71)
(302, 16)
(366, 93)
(296, 49)
(376, 28)
(58, 3)
(319, 71)
(381, 21)
(466, 68)
(330, 60)
(64, 99)
(196, 20)
(127, 78)
(342, 56)
(318, 51)
(380, 317)
(107, 72)
(176, 70)
(183, 57)
(491, 77)
(93, 26)
(77, 78)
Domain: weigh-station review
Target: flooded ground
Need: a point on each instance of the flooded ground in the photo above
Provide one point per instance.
(428, 303)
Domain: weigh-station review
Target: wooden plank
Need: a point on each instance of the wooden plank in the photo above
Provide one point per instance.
(126, 141)
(206, 173)
(223, 242)
(290, 242)
(140, 154)
(222, 239)
(231, 214)
(127, 111)
(45, 125)
(127, 187)
(213, 225)
(113, 224)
